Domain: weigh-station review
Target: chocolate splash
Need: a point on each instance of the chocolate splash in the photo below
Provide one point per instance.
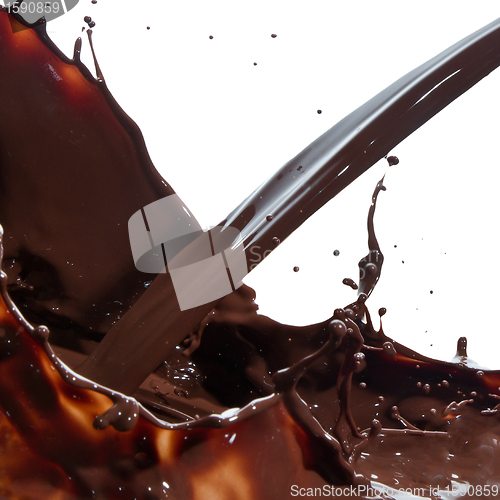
(347, 370)
(370, 267)
(331, 404)
(407, 422)
(327, 166)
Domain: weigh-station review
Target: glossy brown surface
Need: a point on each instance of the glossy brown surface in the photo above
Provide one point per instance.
(252, 408)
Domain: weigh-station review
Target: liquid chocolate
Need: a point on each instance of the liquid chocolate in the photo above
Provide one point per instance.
(294, 193)
(240, 406)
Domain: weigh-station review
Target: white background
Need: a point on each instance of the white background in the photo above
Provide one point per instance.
(217, 126)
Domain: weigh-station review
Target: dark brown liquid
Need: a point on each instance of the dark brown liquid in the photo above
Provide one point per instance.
(253, 409)
(327, 166)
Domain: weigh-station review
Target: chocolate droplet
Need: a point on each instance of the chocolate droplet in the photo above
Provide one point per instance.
(350, 282)
(296, 269)
(89, 21)
(336, 253)
(337, 328)
(462, 347)
(392, 160)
